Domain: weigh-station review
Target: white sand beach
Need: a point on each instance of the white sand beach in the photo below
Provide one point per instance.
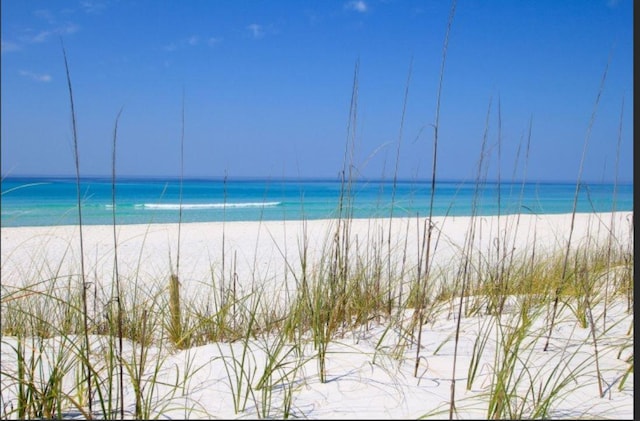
(258, 250)
(370, 370)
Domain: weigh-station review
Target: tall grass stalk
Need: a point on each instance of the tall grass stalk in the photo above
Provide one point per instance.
(575, 203)
(393, 190)
(522, 186)
(588, 285)
(136, 370)
(223, 240)
(510, 338)
(241, 370)
(612, 226)
(464, 272)
(35, 397)
(85, 315)
(629, 278)
(176, 332)
(282, 363)
(116, 271)
(342, 237)
(422, 283)
(500, 243)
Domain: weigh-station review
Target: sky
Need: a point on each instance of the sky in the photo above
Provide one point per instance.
(265, 88)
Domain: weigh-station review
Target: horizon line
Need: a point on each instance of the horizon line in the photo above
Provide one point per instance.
(321, 178)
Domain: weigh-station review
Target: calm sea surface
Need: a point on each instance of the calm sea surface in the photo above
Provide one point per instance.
(53, 201)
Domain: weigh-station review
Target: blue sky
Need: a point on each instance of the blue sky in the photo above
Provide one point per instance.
(267, 87)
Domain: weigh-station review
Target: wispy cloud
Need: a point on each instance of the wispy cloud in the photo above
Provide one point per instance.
(8, 46)
(38, 77)
(46, 26)
(192, 41)
(69, 28)
(42, 36)
(170, 47)
(46, 15)
(256, 31)
(93, 6)
(213, 41)
(56, 27)
(357, 5)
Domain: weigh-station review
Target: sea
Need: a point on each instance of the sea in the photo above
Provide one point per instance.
(44, 201)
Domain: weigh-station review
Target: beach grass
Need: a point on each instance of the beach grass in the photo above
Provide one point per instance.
(269, 351)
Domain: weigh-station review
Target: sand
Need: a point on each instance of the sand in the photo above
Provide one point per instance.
(364, 380)
(257, 251)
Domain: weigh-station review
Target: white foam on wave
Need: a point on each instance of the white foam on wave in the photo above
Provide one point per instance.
(15, 212)
(173, 206)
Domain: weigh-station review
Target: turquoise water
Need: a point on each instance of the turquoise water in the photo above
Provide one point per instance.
(53, 201)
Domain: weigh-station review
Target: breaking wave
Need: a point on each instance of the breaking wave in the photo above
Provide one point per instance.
(195, 206)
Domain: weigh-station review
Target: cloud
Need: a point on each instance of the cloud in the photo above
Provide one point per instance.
(357, 5)
(256, 30)
(192, 41)
(213, 41)
(92, 6)
(35, 76)
(8, 46)
(170, 47)
(23, 37)
(69, 28)
(46, 15)
(53, 27)
(44, 35)
(39, 37)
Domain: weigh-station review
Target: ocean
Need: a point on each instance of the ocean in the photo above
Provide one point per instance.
(31, 201)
